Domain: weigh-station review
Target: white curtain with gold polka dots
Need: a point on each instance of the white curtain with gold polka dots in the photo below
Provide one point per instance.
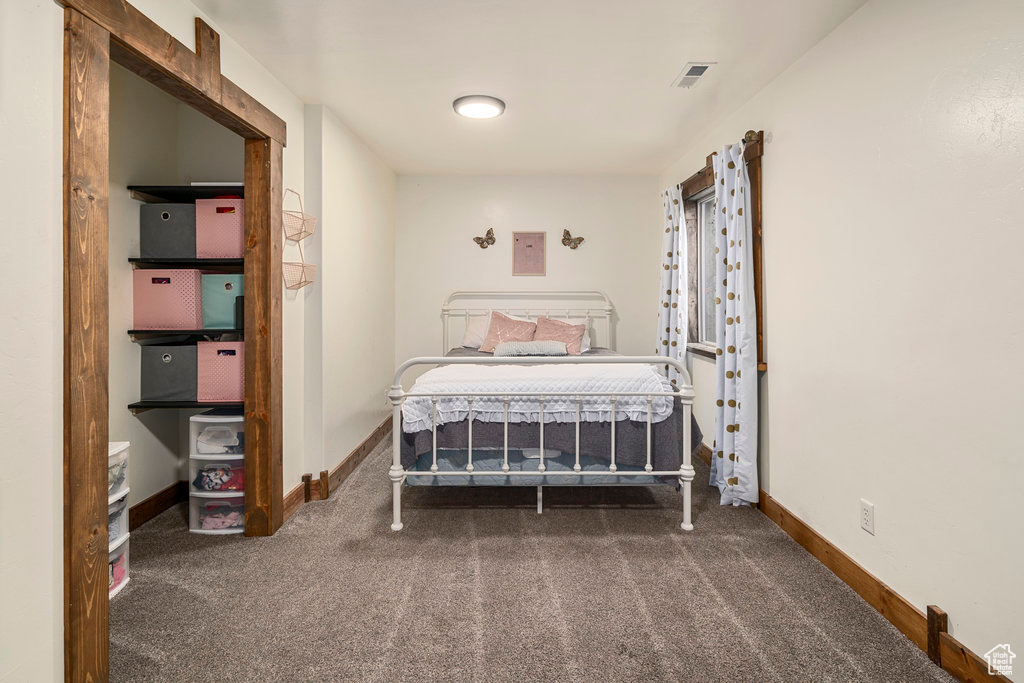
(672, 300)
(734, 465)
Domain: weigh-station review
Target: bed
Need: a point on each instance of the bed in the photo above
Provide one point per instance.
(476, 419)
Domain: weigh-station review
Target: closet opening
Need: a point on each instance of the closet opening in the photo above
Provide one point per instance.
(103, 42)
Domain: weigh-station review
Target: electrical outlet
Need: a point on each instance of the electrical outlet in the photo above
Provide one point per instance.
(867, 516)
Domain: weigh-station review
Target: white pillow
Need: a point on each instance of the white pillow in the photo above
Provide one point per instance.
(530, 348)
(585, 344)
(476, 330)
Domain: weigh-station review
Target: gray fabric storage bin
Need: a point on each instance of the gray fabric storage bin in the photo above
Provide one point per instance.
(167, 230)
(169, 373)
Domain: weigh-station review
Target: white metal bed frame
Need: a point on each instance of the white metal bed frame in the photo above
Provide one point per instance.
(601, 311)
(605, 311)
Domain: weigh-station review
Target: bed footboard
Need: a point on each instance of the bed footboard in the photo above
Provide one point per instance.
(398, 474)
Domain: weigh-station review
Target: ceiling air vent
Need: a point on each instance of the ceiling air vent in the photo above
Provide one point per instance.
(690, 73)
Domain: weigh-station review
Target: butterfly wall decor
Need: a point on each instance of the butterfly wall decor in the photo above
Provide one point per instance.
(487, 240)
(570, 241)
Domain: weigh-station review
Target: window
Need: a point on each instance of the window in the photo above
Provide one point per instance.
(706, 269)
(702, 232)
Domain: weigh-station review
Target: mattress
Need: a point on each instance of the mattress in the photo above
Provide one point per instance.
(539, 378)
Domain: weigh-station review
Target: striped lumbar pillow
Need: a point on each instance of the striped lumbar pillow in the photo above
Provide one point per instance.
(531, 348)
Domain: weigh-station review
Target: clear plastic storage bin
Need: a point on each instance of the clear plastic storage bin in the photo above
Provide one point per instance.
(117, 566)
(117, 519)
(217, 513)
(217, 433)
(117, 470)
(216, 473)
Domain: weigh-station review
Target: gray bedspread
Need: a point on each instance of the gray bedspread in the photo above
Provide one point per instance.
(595, 437)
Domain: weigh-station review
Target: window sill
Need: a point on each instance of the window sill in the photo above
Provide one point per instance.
(705, 351)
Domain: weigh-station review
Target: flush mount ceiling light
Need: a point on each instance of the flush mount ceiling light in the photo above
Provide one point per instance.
(478, 106)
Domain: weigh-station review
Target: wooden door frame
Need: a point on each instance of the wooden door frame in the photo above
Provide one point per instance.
(97, 32)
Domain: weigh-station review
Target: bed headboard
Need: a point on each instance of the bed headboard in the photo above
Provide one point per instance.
(592, 306)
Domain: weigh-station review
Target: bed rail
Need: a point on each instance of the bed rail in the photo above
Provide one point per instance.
(398, 395)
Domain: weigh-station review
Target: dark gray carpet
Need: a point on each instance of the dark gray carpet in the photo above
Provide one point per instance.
(602, 587)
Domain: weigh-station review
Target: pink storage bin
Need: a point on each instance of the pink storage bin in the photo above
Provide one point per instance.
(167, 299)
(221, 371)
(220, 228)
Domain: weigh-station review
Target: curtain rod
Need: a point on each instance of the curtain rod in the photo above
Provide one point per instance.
(748, 137)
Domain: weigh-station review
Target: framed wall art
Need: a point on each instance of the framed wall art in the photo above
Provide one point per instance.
(528, 256)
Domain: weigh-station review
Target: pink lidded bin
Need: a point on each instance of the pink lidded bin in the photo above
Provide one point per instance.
(221, 371)
(220, 228)
(167, 299)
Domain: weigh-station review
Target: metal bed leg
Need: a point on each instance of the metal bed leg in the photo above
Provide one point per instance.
(396, 474)
(540, 500)
(686, 471)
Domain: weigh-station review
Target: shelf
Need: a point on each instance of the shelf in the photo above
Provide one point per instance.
(114, 497)
(217, 456)
(142, 406)
(217, 494)
(230, 265)
(135, 335)
(182, 194)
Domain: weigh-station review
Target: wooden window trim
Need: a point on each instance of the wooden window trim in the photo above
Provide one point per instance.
(97, 32)
(691, 190)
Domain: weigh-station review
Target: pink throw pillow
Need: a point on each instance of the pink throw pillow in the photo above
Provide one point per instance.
(506, 329)
(549, 329)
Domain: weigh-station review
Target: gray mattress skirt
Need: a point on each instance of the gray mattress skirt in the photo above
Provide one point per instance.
(595, 438)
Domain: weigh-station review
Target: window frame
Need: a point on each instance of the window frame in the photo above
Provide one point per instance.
(701, 337)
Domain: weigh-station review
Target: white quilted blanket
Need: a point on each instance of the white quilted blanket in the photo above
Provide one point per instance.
(538, 379)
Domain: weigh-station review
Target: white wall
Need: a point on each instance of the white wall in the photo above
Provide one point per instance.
(893, 187)
(143, 151)
(438, 216)
(31, 559)
(31, 295)
(350, 344)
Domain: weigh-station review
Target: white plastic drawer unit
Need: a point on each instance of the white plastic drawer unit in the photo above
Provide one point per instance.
(117, 565)
(219, 513)
(216, 473)
(117, 470)
(117, 518)
(217, 433)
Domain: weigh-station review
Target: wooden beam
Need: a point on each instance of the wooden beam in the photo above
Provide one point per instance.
(162, 500)
(756, 193)
(937, 623)
(140, 45)
(86, 122)
(325, 485)
(698, 182)
(208, 52)
(264, 494)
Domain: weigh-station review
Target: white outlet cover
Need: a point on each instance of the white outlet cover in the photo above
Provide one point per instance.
(867, 516)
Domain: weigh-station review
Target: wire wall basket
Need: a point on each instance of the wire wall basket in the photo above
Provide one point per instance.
(297, 226)
(297, 274)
